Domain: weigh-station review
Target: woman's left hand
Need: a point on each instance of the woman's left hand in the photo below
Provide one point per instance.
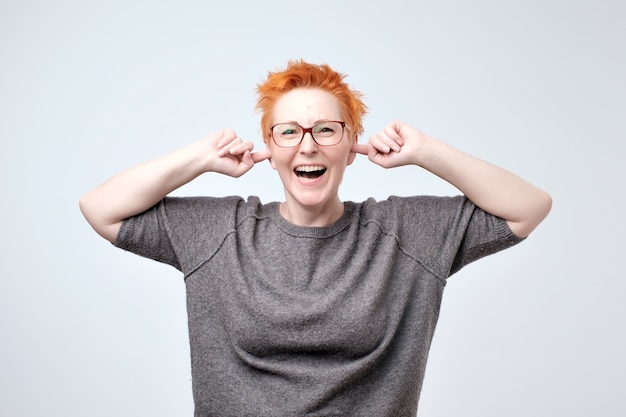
(396, 145)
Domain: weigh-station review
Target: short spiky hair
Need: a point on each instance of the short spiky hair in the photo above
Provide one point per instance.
(301, 74)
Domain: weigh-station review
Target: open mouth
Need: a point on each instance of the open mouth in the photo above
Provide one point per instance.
(310, 172)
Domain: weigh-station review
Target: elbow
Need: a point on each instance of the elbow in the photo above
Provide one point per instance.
(86, 208)
(97, 221)
(543, 206)
(546, 205)
(537, 210)
(83, 205)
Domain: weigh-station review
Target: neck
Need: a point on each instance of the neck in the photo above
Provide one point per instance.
(312, 216)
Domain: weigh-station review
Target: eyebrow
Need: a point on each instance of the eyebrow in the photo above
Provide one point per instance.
(314, 123)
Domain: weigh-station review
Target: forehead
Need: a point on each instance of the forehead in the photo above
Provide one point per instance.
(306, 106)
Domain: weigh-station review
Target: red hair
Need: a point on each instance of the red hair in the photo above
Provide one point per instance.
(301, 74)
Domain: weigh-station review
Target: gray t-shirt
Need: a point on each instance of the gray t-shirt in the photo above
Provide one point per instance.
(287, 320)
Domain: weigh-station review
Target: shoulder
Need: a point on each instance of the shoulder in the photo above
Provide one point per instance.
(422, 218)
(414, 207)
(186, 216)
(174, 203)
(209, 206)
(416, 218)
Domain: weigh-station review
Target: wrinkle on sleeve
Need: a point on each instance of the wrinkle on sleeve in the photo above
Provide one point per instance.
(146, 235)
(445, 233)
(485, 235)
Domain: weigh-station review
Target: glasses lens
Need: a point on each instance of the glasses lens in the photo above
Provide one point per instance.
(287, 134)
(327, 133)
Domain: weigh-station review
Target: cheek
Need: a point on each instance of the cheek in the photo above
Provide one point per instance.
(280, 158)
(344, 157)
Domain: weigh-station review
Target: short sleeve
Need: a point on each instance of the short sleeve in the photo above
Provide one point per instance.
(181, 231)
(485, 234)
(445, 233)
(145, 234)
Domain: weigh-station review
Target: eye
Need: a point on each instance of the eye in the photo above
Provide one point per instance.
(286, 130)
(324, 129)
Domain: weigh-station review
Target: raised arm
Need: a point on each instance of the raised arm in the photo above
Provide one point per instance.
(140, 187)
(490, 187)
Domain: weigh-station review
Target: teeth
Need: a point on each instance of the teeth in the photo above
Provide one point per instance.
(309, 168)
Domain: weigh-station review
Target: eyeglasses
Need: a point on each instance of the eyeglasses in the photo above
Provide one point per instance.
(288, 135)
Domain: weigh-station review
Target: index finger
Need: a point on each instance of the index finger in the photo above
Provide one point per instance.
(261, 155)
(363, 149)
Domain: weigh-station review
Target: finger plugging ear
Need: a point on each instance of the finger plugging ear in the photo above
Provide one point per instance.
(362, 149)
(261, 155)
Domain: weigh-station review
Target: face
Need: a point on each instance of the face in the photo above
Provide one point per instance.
(311, 173)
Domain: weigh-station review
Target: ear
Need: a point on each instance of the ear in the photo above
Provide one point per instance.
(352, 155)
(271, 158)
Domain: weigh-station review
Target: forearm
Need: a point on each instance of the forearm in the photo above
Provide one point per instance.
(139, 188)
(490, 187)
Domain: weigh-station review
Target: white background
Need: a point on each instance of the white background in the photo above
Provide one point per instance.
(90, 88)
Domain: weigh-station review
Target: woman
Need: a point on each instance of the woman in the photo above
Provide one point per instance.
(313, 306)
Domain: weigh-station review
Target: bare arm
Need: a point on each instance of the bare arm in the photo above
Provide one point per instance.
(490, 187)
(140, 187)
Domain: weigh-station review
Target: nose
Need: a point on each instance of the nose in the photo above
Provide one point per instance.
(308, 145)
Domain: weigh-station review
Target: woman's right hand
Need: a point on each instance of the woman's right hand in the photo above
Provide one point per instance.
(230, 155)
